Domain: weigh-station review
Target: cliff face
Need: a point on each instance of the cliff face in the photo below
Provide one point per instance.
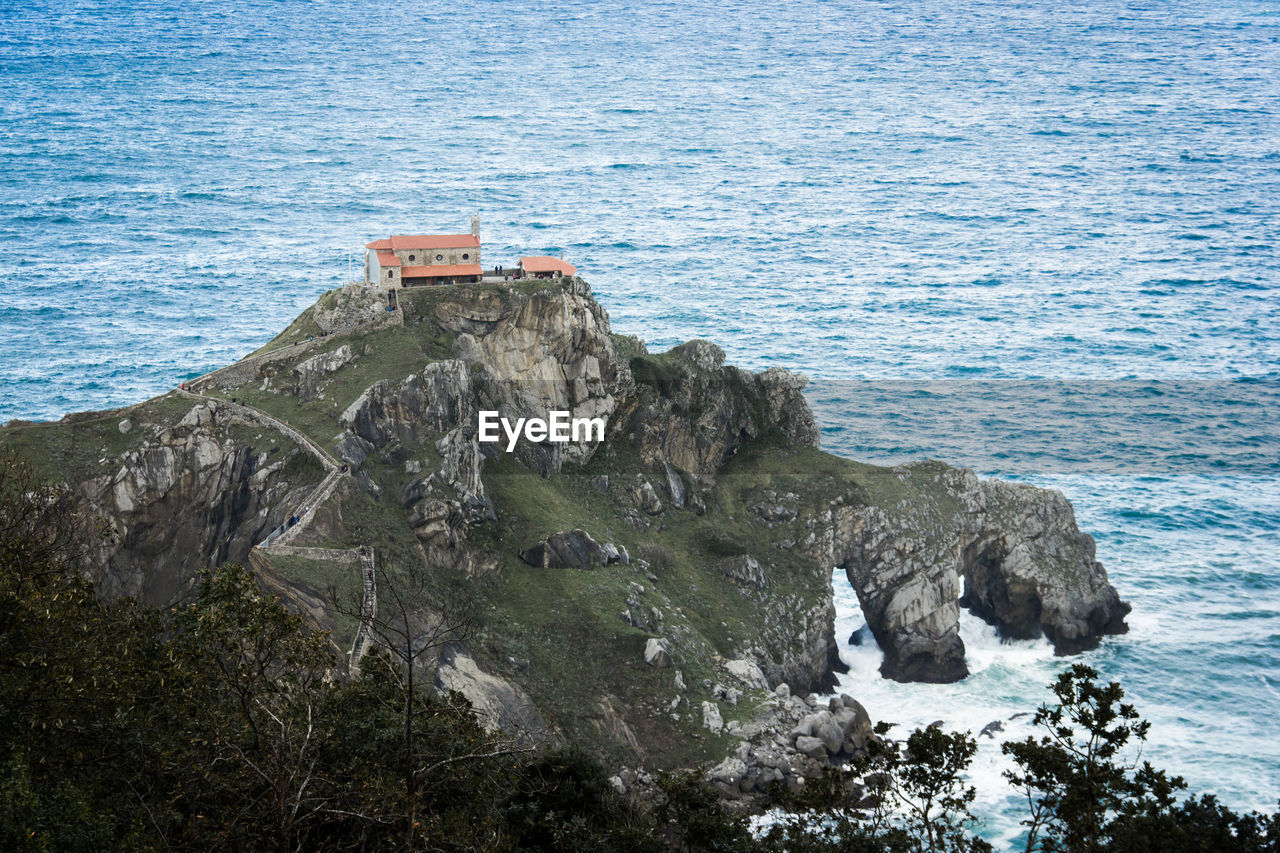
(1029, 570)
(182, 484)
(633, 592)
(1015, 550)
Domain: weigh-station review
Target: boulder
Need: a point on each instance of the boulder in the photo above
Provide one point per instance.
(728, 772)
(571, 549)
(711, 718)
(748, 672)
(309, 374)
(645, 497)
(656, 653)
(811, 746)
(831, 736)
(744, 570)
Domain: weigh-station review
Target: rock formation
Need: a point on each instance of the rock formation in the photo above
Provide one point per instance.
(705, 527)
(195, 494)
(1024, 565)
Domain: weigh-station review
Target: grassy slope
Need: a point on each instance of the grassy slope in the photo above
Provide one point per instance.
(76, 449)
(326, 577)
(567, 622)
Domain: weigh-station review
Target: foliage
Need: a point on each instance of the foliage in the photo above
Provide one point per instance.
(561, 801)
(1085, 793)
(915, 799)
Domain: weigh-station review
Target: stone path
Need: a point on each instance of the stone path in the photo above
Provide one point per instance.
(278, 540)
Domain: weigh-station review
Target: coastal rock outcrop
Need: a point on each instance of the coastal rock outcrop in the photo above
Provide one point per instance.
(1029, 570)
(706, 520)
(572, 549)
(900, 563)
(1014, 549)
(790, 740)
(550, 350)
(347, 307)
(703, 411)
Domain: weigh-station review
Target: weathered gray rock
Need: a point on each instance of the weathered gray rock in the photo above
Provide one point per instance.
(728, 772)
(571, 549)
(744, 570)
(901, 566)
(704, 411)
(424, 404)
(773, 508)
(831, 736)
(646, 497)
(812, 747)
(1027, 568)
(721, 693)
(348, 307)
(748, 672)
(497, 703)
(309, 374)
(533, 353)
(189, 497)
(656, 653)
(352, 449)
(711, 718)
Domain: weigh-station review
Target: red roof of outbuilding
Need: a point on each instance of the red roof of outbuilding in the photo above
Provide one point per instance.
(543, 263)
(441, 271)
(401, 242)
(387, 259)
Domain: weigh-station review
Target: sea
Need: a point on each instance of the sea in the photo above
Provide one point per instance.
(1038, 239)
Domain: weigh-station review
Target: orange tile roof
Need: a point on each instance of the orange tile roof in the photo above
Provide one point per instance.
(378, 244)
(543, 263)
(387, 259)
(401, 242)
(441, 271)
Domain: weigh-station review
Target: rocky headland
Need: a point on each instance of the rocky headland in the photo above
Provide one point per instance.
(663, 595)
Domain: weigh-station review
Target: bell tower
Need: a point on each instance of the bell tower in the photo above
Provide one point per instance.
(475, 225)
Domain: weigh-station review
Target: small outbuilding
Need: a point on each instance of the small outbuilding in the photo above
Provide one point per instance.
(542, 266)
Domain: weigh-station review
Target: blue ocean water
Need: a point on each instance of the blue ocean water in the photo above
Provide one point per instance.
(982, 197)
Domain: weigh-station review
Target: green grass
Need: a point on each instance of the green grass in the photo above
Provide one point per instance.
(396, 352)
(553, 616)
(325, 578)
(627, 347)
(77, 449)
